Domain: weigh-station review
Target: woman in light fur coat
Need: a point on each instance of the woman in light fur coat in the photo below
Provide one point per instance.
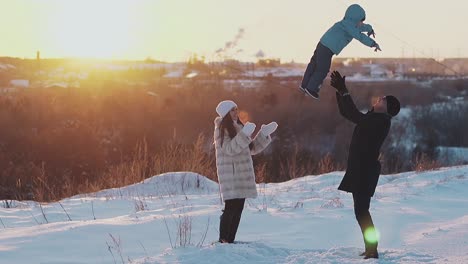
(234, 150)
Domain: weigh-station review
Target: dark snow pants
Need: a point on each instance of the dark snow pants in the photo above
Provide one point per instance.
(230, 219)
(364, 219)
(317, 69)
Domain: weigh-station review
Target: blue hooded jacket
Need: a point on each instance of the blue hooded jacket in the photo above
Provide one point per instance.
(342, 32)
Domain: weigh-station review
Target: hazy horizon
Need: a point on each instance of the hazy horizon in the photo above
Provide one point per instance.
(156, 60)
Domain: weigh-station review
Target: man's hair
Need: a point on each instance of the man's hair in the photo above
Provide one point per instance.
(393, 105)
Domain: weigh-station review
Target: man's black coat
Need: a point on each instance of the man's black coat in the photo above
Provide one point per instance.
(363, 170)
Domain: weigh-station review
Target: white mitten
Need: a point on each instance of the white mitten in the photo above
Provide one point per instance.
(268, 129)
(248, 129)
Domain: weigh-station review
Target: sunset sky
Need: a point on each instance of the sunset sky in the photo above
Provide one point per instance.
(172, 30)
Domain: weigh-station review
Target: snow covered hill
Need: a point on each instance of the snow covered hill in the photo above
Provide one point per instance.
(174, 218)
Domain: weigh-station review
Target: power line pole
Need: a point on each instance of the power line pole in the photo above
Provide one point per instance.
(38, 59)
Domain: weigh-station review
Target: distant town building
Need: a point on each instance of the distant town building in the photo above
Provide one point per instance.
(19, 83)
(269, 62)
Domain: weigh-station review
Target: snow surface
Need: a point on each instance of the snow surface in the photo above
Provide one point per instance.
(422, 218)
(6, 66)
(276, 71)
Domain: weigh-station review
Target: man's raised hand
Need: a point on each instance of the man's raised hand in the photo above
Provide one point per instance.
(338, 82)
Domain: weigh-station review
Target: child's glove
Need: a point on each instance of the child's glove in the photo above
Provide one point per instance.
(376, 46)
(266, 130)
(248, 129)
(339, 82)
(371, 33)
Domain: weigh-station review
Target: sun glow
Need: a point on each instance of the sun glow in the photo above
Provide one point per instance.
(95, 29)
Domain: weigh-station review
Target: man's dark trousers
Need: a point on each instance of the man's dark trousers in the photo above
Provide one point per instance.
(361, 210)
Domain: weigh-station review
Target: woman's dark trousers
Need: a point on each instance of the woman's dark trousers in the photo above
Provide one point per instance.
(230, 219)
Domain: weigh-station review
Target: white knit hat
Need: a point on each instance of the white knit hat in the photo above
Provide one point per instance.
(224, 107)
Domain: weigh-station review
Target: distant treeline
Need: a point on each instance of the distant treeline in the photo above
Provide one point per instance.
(58, 142)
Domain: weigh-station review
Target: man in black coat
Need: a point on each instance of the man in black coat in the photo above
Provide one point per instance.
(363, 169)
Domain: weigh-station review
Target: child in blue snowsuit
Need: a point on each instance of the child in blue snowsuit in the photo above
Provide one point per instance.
(333, 42)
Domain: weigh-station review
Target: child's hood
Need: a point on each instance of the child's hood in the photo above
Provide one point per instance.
(355, 13)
